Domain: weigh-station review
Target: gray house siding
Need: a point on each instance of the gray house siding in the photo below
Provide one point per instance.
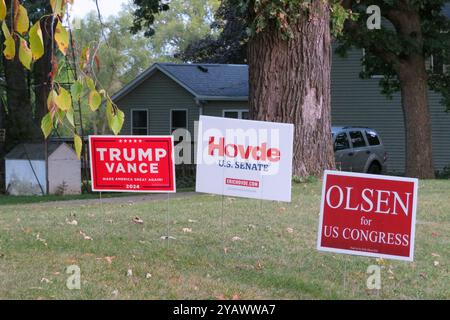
(355, 102)
(216, 108)
(358, 102)
(158, 94)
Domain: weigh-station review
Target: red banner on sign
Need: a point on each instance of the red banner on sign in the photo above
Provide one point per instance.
(368, 215)
(132, 163)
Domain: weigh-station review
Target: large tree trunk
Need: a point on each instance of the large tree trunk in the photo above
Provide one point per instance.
(290, 83)
(414, 92)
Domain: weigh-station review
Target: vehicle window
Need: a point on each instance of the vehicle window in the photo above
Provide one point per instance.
(373, 139)
(341, 142)
(357, 139)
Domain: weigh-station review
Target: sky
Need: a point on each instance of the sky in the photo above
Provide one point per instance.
(107, 7)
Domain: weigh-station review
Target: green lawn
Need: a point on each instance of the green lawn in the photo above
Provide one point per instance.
(11, 200)
(274, 255)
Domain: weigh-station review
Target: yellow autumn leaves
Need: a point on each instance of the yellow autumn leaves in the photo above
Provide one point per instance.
(29, 42)
(34, 49)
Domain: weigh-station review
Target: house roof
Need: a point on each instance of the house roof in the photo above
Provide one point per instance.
(446, 10)
(32, 151)
(228, 82)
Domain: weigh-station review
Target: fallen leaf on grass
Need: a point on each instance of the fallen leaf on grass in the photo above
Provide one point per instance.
(138, 220)
(148, 275)
(192, 221)
(236, 297)
(72, 223)
(436, 263)
(187, 230)
(70, 261)
(225, 250)
(236, 239)
(115, 293)
(259, 266)
(109, 259)
(251, 227)
(129, 273)
(38, 238)
(290, 230)
(168, 237)
(435, 255)
(27, 230)
(45, 280)
(423, 275)
(380, 261)
(85, 236)
(281, 209)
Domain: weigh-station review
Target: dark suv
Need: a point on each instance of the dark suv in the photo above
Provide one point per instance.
(359, 150)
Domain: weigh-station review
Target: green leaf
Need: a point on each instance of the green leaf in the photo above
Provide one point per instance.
(36, 41)
(60, 115)
(63, 100)
(62, 38)
(21, 20)
(95, 100)
(115, 118)
(10, 44)
(47, 125)
(2, 10)
(109, 112)
(76, 90)
(51, 101)
(70, 116)
(90, 83)
(117, 122)
(25, 55)
(57, 7)
(78, 145)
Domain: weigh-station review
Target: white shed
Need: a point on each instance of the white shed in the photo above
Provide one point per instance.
(25, 170)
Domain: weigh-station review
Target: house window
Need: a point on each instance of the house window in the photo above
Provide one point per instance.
(236, 114)
(377, 74)
(179, 119)
(436, 64)
(139, 122)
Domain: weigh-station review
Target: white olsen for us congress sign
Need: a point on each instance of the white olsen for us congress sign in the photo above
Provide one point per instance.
(244, 158)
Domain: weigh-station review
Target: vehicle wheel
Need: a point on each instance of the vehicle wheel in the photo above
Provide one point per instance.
(374, 168)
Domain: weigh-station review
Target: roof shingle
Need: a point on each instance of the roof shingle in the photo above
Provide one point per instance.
(211, 80)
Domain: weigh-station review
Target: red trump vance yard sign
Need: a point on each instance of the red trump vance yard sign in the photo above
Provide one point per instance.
(132, 163)
(368, 215)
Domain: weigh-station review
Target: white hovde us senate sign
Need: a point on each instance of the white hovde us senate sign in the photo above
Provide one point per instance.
(243, 158)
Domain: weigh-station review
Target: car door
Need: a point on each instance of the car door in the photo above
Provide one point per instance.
(342, 151)
(360, 150)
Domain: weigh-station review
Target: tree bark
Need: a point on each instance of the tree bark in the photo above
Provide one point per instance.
(19, 119)
(418, 130)
(290, 83)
